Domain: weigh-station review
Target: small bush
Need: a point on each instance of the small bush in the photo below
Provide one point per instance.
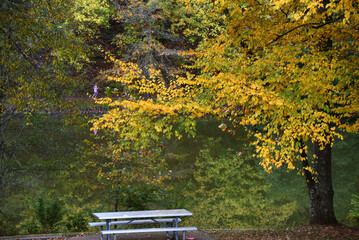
(231, 193)
(76, 223)
(7, 228)
(31, 226)
(353, 216)
(48, 214)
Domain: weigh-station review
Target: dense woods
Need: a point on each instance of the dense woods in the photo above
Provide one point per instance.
(285, 72)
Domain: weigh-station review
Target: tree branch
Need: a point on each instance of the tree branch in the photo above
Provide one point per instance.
(313, 25)
(305, 164)
(33, 64)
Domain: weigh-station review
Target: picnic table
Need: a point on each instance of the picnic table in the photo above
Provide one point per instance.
(167, 219)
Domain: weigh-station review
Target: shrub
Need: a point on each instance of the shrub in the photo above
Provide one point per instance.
(353, 216)
(31, 226)
(48, 214)
(230, 192)
(76, 223)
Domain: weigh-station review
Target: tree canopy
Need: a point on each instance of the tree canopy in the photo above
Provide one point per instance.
(43, 48)
(293, 74)
(286, 70)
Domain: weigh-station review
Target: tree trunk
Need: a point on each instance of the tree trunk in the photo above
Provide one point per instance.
(320, 188)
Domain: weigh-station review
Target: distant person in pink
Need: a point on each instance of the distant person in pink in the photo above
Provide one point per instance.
(95, 91)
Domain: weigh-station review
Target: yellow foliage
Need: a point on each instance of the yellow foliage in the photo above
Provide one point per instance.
(286, 68)
(270, 65)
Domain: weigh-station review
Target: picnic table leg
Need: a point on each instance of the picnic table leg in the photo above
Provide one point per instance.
(108, 227)
(176, 233)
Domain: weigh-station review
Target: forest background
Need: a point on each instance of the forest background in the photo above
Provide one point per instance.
(216, 87)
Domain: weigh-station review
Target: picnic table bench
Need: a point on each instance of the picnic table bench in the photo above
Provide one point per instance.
(168, 219)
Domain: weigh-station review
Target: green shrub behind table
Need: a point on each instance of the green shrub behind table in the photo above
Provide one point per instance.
(229, 192)
(76, 223)
(353, 216)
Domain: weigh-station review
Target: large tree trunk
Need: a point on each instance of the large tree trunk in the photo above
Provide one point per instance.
(320, 188)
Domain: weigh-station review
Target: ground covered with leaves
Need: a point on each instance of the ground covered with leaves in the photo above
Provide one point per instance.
(339, 232)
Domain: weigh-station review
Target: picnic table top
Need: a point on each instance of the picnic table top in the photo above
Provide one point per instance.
(143, 214)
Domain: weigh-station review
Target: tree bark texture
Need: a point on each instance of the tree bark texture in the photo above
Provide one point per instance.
(320, 188)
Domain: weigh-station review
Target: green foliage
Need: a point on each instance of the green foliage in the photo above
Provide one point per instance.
(138, 197)
(145, 38)
(193, 20)
(344, 156)
(30, 226)
(287, 187)
(48, 213)
(90, 15)
(129, 178)
(149, 58)
(230, 192)
(43, 42)
(176, 197)
(44, 52)
(50, 156)
(6, 225)
(353, 216)
(76, 223)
